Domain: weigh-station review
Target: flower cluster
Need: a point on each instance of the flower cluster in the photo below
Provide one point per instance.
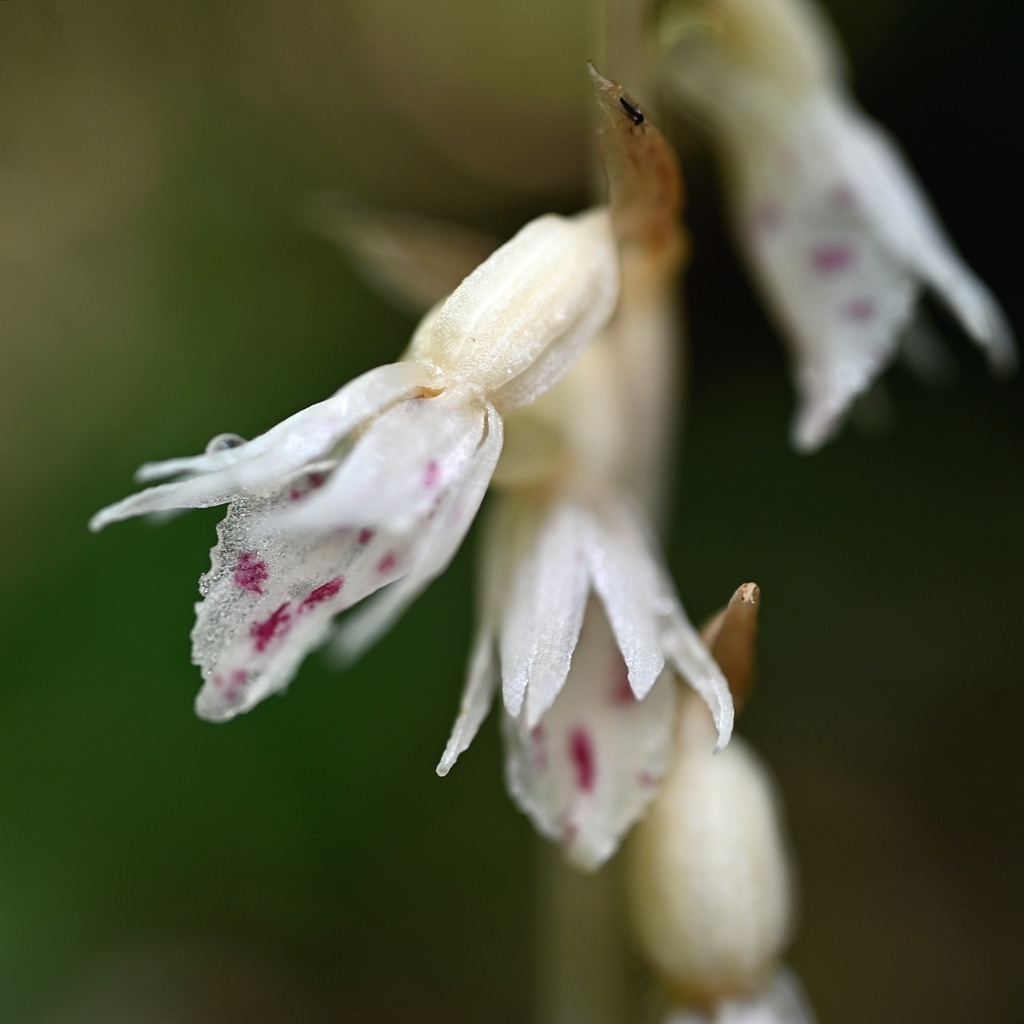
(547, 375)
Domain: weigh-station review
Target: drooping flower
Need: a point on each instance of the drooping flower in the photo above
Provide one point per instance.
(835, 227)
(379, 484)
(583, 634)
(580, 626)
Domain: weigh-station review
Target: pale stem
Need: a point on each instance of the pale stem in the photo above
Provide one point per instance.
(582, 955)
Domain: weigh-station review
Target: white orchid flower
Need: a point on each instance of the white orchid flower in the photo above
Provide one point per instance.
(834, 225)
(379, 484)
(580, 626)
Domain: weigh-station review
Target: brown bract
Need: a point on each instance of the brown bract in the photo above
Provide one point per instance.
(731, 636)
(644, 181)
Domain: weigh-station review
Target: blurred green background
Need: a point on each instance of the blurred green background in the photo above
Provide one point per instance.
(158, 285)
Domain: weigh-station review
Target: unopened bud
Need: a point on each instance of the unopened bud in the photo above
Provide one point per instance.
(710, 885)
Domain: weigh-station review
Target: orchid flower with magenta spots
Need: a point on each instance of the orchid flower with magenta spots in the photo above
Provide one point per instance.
(377, 486)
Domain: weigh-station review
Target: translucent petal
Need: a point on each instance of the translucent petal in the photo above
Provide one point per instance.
(401, 466)
(543, 614)
(269, 597)
(481, 682)
(432, 550)
(843, 239)
(903, 217)
(627, 580)
(588, 770)
(690, 658)
(496, 562)
(261, 463)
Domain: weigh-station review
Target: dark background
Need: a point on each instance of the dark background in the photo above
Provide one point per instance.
(158, 285)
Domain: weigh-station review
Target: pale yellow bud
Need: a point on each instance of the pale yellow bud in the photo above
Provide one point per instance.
(517, 323)
(710, 885)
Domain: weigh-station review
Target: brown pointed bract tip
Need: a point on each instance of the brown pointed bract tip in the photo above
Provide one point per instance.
(645, 187)
(731, 636)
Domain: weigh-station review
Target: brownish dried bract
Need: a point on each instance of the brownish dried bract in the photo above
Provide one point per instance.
(731, 636)
(644, 182)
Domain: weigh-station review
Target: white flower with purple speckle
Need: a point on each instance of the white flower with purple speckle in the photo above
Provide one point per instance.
(835, 227)
(580, 626)
(378, 485)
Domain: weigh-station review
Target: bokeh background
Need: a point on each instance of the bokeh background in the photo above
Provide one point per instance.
(160, 283)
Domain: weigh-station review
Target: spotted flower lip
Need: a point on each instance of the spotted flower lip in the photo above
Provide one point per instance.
(582, 631)
(377, 486)
(836, 229)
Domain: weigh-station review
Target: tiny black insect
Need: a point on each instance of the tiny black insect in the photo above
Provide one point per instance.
(633, 112)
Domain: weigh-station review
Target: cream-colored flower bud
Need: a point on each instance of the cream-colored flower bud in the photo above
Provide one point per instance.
(710, 885)
(517, 323)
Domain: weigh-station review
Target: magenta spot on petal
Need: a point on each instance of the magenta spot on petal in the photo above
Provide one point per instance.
(646, 779)
(323, 593)
(311, 483)
(387, 563)
(432, 475)
(832, 257)
(366, 534)
(272, 628)
(251, 572)
(622, 692)
(570, 833)
(581, 752)
(239, 677)
(860, 310)
(767, 217)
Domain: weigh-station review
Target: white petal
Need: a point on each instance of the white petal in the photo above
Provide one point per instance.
(626, 578)
(481, 683)
(498, 554)
(586, 773)
(903, 217)
(516, 324)
(432, 550)
(400, 468)
(282, 450)
(841, 295)
(690, 658)
(269, 599)
(543, 613)
(844, 241)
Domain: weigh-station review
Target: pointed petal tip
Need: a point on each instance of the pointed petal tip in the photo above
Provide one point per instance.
(1001, 350)
(642, 677)
(724, 718)
(98, 521)
(815, 425)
